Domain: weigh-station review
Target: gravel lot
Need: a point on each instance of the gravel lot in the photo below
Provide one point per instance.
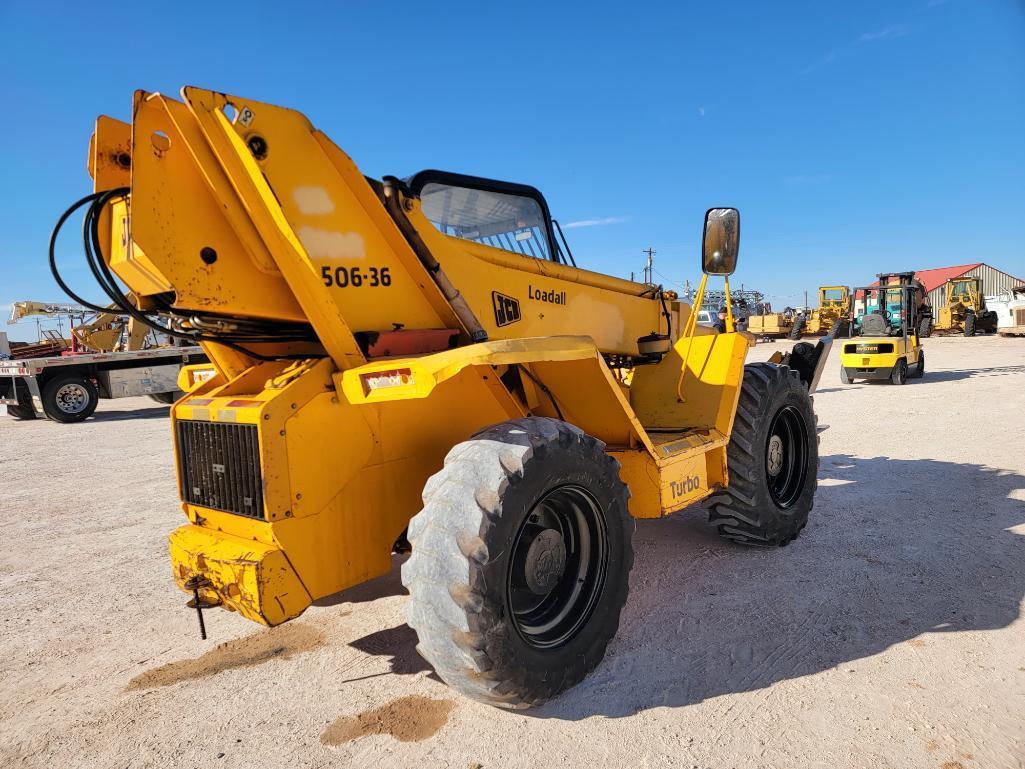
(888, 635)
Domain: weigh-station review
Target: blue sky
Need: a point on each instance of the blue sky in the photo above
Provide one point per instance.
(855, 137)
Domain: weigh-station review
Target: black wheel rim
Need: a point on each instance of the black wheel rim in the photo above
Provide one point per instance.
(570, 515)
(786, 456)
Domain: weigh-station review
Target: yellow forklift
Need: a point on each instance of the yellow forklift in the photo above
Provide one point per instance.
(882, 341)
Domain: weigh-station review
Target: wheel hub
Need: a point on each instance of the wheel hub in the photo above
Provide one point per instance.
(545, 562)
(775, 455)
(72, 398)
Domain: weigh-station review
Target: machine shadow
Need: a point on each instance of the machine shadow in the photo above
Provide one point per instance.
(970, 373)
(921, 546)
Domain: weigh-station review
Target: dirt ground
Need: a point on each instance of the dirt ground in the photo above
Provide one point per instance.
(888, 635)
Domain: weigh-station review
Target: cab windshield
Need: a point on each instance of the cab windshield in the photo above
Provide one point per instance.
(499, 219)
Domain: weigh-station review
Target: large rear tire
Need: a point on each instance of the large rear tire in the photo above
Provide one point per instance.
(521, 561)
(772, 459)
(969, 324)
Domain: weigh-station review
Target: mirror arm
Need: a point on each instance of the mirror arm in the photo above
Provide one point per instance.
(729, 305)
(688, 333)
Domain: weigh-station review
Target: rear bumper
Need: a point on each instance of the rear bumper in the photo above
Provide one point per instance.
(877, 372)
(1011, 331)
(249, 577)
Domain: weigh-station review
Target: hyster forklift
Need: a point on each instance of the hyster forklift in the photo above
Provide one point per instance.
(418, 364)
(882, 338)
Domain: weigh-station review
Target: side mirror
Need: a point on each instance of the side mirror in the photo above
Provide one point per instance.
(721, 241)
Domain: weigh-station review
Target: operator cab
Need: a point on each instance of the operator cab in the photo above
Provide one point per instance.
(513, 217)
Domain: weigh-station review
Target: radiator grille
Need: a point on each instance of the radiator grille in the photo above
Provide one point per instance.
(220, 466)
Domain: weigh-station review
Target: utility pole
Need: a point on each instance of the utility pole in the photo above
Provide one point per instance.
(649, 270)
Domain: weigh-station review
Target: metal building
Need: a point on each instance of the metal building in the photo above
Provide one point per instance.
(994, 281)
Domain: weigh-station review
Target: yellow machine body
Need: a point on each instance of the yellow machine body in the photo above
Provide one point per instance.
(963, 297)
(770, 324)
(874, 357)
(245, 210)
(834, 302)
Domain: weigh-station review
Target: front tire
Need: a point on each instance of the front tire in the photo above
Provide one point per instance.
(521, 561)
(798, 328)
(844, 379)
(772, 459)
(969, 324)
(69, 398)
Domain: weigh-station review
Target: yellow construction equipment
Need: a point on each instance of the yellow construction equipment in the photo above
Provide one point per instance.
(964, 309)
(788, 323)
(108, 331)
(419, 363)
(831, 314)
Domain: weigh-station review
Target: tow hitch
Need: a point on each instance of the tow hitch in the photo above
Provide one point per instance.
(198, 603)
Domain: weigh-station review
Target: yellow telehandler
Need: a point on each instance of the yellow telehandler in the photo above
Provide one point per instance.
(419, 363)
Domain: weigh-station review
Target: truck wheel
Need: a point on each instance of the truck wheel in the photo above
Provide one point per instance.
(69, 398)
(772, 458)
(844, 379)
(969, 324)
(170, 397)
(899, 375)
(25, 408)
(797, 328)
(520, 564)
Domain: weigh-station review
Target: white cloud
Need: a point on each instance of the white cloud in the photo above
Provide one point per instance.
(595, 222)
(884, 34)
(701, 111)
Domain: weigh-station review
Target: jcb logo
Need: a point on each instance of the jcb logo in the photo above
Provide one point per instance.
(686, 486)
(507, 309)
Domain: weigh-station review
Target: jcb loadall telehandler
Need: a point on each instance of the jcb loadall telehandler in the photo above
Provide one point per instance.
(420, 363)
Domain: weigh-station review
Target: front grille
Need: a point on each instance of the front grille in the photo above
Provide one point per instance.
(220, 466)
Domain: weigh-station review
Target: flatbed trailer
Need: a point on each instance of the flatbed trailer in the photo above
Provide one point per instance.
(68, 388)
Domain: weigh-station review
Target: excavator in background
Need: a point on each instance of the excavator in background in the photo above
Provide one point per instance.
(419, 363)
